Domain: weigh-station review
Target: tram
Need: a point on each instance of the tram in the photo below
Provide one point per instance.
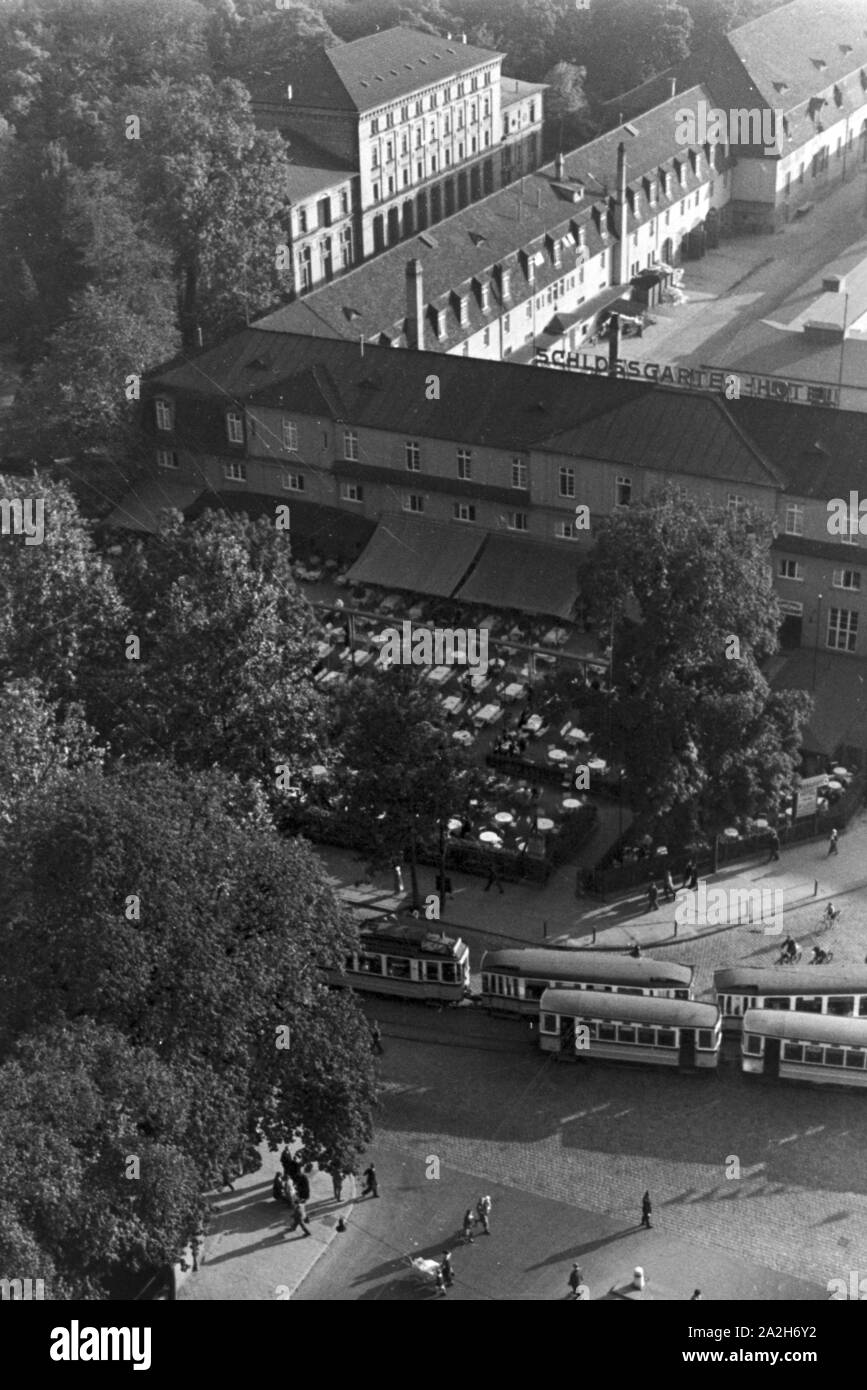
(513, 981)
(408, 961)
(805, 1047)
(660, 1032)
(840, 992)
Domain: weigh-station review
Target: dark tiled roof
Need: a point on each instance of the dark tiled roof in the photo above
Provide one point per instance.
(661, 431)
(822, 452)
(371, 300)
(368, 72)
(847, 555)
(530, 576)
(802, 48)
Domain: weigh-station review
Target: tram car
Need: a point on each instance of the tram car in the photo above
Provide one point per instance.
(587, 1024)
(838, 992)
(796, 1046)
(513, 981)
(407, 960)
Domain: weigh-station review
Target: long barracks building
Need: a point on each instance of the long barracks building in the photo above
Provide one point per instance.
(479, 467)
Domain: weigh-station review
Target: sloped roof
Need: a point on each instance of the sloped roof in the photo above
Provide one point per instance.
(802, 48)
(370, 71)
(530, 576)
(371, 300)
(420, 556)
(822, 452)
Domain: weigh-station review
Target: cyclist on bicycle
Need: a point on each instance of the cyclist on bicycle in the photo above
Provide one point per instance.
(819, 956)
(831, 913)
(790, 949)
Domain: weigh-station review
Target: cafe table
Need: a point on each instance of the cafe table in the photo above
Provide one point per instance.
(544, 824)
(504, 818)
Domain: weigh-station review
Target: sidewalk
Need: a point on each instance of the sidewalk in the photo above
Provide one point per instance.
(248, 1252)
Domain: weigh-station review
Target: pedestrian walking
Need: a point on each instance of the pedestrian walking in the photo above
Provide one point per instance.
(646, 1209)
(376, 1039)
(446, 1269)
(668, 887)
(696, 1295)
(440, 1281)
(832, 843)
(371, 1183)
(493, 877)
(576, 1279)
(302, 1187)
(277, 1187)
(286, 1161)
(652, 897)
(227, 1180)
(299, 1218)
(469, 1222)
(337, 1181)
(773, 846)
(483, 1207)
(398, 879)
(690, 879)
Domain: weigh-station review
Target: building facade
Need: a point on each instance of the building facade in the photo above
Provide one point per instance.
(427, 125)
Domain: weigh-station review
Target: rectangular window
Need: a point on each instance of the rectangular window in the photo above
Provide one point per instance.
(794, 520)
(507, 323)
(235, 470)
(736, 504)
(465, 464)
(346, 247)
(753, 1044)
(842, 629)
(517, 521)
(164, 413)
(791, 569)
(622, 491)
(323, 208)
(352, 492)
(397, 967)
(344, 202)
(305, 268)
(550, 1023)
(519, 474)
(412, 455)
(567, 481)
(855, 1058)
(290, 436)
(565, 531)
(793, 1052)
(167, 458)
(302, 220)
(486, 337)
(413, 502)
(847, 579)
(464, 511)
(350, 445)
(293, 482)
(234, 427)
(666, 1037)
(376, 192)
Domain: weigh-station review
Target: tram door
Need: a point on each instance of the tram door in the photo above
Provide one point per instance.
(687, 1047)
(567, 1034)
(772, 1057)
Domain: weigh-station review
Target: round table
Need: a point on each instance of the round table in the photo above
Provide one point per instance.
(841, 772)
(835, 786)
(571, 803)
(490, 837)
(317, 771)
(543, 823)
(662, 849)
(731, 833)
(597, 764)
(557, 755)
(455, 824)
(504, 818)
(761, 823)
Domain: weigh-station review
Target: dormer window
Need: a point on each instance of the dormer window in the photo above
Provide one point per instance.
(693, 161)
(650, 191)
(505, 283)
(663, 179)
(485, 296)
(164, 413)
(463, 310)
(439, 321)
(234, 427)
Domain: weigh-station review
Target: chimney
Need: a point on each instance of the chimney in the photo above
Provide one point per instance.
(674, 86)
(560, 167)
(414, 305)
(622, 218)
(613, 344)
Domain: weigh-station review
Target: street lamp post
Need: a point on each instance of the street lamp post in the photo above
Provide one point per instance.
(816, 642)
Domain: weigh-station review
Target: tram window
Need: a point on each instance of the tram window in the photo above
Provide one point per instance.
(843, 1005)
(370, 965)
(814, 1054)
(449, 973)
(681, 994)
(647, 1036)
(486, 984)
(607, 1032)
(833, 1056)
(550, 1023)
(776, 1001)
(862, 1006)
(630, 991)
(753, 1044)
(398, 967)
(705, 1037)
(736, 1006)
(855, 1057)
(793, 1052)
(806, 1004)
(625, 1035)
(666, 1037)
(534, 989)
(431, 970)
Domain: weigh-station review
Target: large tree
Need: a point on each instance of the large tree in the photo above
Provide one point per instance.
(217, 190)
(686, 589)
(404, 774)
(166, 906)
(38, 744)
(226, 656)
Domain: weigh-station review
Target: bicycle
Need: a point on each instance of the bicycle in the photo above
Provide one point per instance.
(823, 958)
(789, 957)
(830, 916)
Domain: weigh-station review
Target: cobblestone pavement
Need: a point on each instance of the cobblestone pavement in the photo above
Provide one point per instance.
(596, 1136)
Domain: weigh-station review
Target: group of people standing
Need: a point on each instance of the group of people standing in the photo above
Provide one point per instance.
(480, 1216)
(292, 1186)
